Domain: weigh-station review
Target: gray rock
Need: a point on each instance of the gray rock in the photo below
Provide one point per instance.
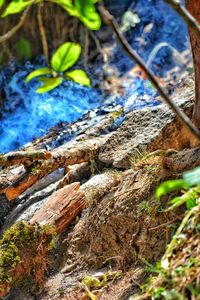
(143, 130)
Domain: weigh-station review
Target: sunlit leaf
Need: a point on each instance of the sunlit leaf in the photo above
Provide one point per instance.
(2, 3)
(191, 203)
(49, 84)
(192, 177)
(15, 7)
(170, 186)
(78, 76)
(23, 49)
(88, 13)
(37, 73)
(65, 57)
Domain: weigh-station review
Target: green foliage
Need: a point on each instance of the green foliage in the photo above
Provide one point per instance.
(78, 76)
(23, 49)
(84, 10)
(68, 53)
(1, 3)
(97, 282)
(17, 238)
(190, 193)
(15, 7)
(49, 84)
(170, 186)
(145, 207)
(64, 58)
(38, 73)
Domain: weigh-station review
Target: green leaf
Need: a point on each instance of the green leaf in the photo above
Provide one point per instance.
(15, 7)
(78, 76)
(170, 186)
(37, 73)
(88, 14)
(192, 177)
(49, 84)
(1, 3)
(191, 203)
(23, 49)
(65, 57)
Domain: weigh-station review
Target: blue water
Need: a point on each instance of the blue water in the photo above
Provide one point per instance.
(29, 115)
(167, 27)
(33, 114)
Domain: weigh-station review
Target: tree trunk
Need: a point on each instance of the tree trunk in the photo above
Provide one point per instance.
(194, 8)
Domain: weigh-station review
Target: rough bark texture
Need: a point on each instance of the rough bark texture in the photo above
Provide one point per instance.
(194, 7)
(61, 157)
(61, 208)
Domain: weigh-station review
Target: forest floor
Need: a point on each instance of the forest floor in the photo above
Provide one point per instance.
(109, 249)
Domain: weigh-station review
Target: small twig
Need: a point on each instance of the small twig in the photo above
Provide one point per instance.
(43, 32)
(97, 42)
(11, 32)
(86, 47)
(166, 224)
(185, 14)
(110, 20)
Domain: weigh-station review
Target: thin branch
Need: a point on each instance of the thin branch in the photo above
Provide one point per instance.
(11, 32)
(185, 14)
(110, 20)
(43, 32)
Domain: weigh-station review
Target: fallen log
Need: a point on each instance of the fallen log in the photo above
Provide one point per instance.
(23, 157)
(61, 208)
(30, 243)
(61, 157)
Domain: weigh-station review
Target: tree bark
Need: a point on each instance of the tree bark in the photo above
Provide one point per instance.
(194, 8)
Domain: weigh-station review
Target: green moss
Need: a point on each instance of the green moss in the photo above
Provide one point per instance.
(16, 240)
(2, 158)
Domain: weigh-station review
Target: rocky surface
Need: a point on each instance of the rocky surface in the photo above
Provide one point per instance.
(146, 130)
(121, 220)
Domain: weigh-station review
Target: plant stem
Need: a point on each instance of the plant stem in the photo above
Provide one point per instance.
(110, 20)
(11, 32)
(43, 32)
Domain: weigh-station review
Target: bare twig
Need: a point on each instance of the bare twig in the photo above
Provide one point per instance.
(11, 32)
(97, 42)
(43, 32)
(110, 20)
(185, 14)
(164, 225)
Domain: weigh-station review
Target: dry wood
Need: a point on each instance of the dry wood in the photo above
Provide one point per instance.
(69, 154)
(23, 157)
(61, 208)
(194, 8)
